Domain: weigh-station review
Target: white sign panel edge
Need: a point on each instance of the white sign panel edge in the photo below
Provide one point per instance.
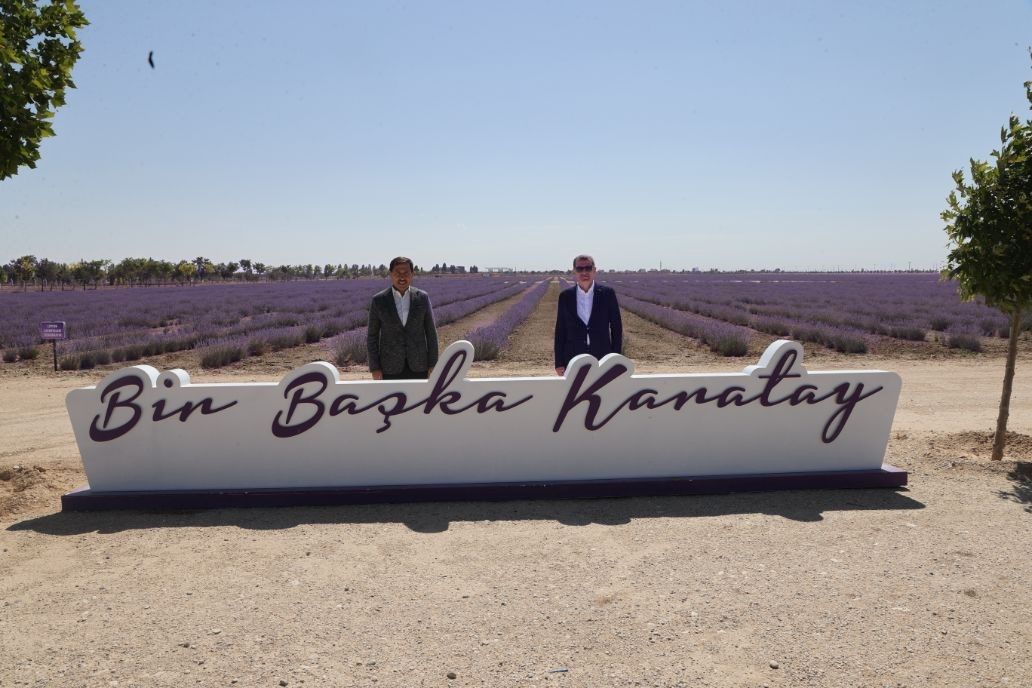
(143, 430)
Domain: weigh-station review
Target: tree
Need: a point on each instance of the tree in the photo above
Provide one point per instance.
(38, 49)
(204, 267)
(47, 271)
(185, 271)
(227, 270)
(989, 223)
(23, 269)
(85, 272)
(164, 270)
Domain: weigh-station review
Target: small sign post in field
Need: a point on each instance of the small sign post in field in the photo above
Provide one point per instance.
(52, 330)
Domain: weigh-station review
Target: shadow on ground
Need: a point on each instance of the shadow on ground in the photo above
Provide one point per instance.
(436, 517)
(1021, 492)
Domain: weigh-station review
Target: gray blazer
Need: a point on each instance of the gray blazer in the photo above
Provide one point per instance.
(390, 344)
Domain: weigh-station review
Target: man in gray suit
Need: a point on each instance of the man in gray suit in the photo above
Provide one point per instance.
(402, 340)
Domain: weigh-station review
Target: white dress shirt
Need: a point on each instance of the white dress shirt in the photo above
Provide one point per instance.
(403, 302)
(585, 300)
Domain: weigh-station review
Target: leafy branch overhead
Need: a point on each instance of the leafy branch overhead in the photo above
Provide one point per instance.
(38, 49)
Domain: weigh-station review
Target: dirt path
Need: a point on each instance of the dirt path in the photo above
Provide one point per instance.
(926, 586)
(653, 348)
(446, 334)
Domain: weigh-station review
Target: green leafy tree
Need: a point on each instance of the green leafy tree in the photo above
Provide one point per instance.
(989, 223)
(185, 272)
(64, 274)
(164, 270)
(23, 269)
(227, 270)
(47, 271)
(38, 49)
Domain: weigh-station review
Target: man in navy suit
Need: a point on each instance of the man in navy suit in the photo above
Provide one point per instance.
(588, 321)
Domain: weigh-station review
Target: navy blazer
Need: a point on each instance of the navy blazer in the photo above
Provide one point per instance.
(604, 330)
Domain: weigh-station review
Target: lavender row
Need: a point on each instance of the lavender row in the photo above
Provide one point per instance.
(903, 306)
(116, 325)
(490, 340)
(831, 332)
(107, 318)
(350, 347)
(722, 338)
(838, 337)
(232, 348)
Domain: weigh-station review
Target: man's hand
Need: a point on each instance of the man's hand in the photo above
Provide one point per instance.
(560, 371)
(377, 374)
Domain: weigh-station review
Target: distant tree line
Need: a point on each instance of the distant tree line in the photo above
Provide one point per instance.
(30, 272)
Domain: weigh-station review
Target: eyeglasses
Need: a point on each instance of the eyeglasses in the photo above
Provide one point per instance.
(583, 268)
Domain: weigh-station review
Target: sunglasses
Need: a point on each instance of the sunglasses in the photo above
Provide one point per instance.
(583, 268)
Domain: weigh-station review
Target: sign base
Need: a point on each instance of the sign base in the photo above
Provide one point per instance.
(85, 499)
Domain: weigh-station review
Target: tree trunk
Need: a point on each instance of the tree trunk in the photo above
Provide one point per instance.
(1008, 382)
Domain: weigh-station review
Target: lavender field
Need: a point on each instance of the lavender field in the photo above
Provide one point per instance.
(350, 347)
(847, 312)
(491, 339)
(224, 322)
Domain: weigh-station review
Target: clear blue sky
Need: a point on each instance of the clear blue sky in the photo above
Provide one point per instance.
(740, 134)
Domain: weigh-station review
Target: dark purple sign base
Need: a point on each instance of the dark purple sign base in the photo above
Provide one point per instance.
(85, 499)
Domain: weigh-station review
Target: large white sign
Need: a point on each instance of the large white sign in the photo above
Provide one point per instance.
(141, 430)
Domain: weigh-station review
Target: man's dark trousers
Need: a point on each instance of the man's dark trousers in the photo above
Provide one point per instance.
(407, 374)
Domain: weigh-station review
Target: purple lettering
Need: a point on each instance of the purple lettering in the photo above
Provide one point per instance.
(398, 408)
(732, 395)
(438, 396)
(833, 428)
(495, 401)
(643, 397)
(581, 393)
(339, 406)
(779, 373)
(284, 429)
(106, 434)
(682, 398)
(590, 396)
(803, 393)
(184, 411)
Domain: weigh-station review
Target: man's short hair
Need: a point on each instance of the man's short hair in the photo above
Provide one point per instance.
(584, 256)
(402, 259)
